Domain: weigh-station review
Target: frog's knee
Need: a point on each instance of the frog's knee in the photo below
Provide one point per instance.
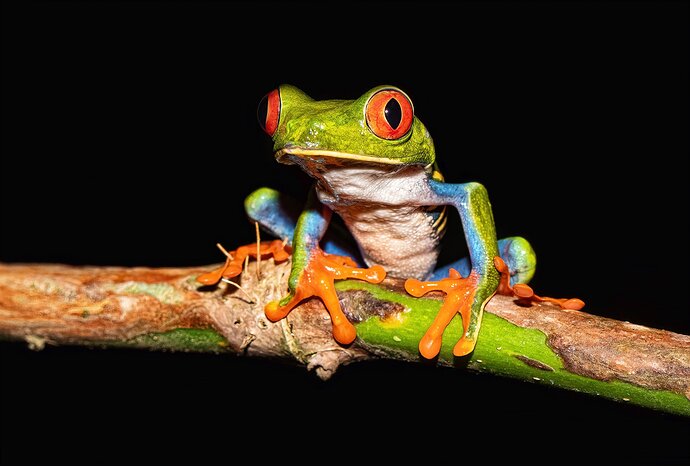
(260, 201)
(520, 258)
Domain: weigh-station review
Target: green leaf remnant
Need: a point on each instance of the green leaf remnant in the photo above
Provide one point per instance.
(179, 339)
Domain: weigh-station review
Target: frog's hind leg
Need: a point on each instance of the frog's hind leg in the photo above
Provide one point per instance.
(277, 214)
(520, 258)
(515, 251)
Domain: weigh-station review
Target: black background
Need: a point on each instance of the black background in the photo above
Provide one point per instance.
(129, 137)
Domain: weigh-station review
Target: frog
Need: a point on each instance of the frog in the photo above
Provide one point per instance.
(374, 165)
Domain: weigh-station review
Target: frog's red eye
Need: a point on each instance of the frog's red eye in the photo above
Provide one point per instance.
(268, 112)
(389, 114)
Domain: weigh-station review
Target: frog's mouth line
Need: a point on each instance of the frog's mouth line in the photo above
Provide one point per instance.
(319, 153)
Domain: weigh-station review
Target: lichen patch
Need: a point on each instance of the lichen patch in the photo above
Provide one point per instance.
(360, 305)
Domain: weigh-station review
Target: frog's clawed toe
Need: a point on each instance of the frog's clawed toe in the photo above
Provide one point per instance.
(459, 297)
(526, 294)
(318, 279)
(235, 260)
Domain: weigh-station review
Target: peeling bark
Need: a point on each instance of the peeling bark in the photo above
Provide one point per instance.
(607, 349)
(59, 304)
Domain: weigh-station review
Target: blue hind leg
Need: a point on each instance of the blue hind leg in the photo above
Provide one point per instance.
(515, 251)
(277, 214)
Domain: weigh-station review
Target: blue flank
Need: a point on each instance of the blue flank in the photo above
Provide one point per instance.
(461, 265)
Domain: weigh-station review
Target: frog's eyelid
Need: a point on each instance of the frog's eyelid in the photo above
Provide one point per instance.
(389, 88)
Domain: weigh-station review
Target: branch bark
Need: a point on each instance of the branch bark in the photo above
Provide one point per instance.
(166, 308)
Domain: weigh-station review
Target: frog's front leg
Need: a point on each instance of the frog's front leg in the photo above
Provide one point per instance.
(314, 271)
(466, 296)
(277, 214)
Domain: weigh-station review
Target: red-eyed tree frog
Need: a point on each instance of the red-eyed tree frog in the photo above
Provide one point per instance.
(375, 166)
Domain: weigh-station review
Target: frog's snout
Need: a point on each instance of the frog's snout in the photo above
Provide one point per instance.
(286, 154)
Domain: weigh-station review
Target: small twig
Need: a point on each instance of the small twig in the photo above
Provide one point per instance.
(258, 251)
(252, 300)
(224, 251)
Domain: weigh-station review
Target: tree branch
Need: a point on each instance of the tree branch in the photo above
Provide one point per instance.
(167, 309)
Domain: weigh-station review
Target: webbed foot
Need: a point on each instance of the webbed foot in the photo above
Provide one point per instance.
(526, 294)
(460, 294)
(235, 260)
(317, 279)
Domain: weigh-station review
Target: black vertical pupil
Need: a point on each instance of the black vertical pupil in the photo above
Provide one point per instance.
(393, 113)
(262, 112)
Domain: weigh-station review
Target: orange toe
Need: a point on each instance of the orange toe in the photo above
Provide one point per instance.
(317, 279)
(463, 347)
(415, 287)
(344, 333)
(523, 291)
(526, 294)
(429, 346)
(573, 303)
(234, 264)
(211, 278)
(459, 297)
(274, 311)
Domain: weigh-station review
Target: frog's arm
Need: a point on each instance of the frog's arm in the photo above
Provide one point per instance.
(277, 213)
(314, 271)
(467, 295)
(472, 202)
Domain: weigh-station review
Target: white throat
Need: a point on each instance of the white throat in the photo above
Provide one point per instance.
(371, 184)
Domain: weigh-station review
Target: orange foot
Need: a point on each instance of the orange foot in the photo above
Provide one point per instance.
(233, 264)
(317, 279)
(525, 294)
(459, 297)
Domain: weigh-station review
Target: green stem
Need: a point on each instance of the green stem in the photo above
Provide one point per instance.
(503, 349)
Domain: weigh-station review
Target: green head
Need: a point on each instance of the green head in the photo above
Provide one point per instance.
(379, 127)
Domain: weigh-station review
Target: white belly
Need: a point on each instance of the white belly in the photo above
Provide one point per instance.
(401, 239)
(374, 204)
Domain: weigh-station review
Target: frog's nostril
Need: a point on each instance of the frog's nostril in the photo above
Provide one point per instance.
(268, 112)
